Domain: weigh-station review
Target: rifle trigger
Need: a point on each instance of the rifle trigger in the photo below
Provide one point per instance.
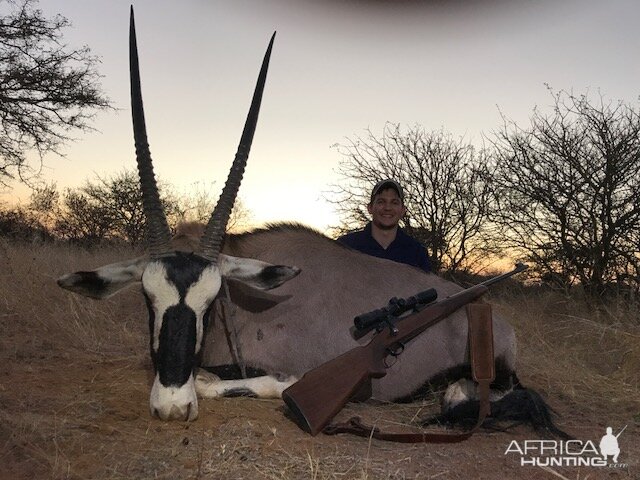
(397, 350)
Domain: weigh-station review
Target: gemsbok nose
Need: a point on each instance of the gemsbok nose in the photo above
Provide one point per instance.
(174, 402)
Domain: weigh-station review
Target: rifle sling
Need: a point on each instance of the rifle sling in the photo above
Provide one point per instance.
(483, 369)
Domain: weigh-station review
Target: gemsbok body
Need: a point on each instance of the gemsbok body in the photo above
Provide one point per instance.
(283, 335)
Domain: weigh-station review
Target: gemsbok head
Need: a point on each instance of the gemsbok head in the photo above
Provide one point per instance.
(180, 287)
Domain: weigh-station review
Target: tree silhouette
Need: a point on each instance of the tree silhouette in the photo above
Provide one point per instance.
(568, 190)
(47, 90)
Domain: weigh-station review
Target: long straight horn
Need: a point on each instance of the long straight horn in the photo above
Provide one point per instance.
(158, 232)
(211, 242)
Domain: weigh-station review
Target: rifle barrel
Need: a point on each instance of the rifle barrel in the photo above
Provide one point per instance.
(520, 267)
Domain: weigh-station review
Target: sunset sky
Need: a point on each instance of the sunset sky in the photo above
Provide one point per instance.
(338, 68)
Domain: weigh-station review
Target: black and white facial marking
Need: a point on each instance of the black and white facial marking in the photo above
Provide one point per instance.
(179, 290)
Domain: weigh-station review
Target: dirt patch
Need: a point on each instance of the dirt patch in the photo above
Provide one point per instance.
(88, 419)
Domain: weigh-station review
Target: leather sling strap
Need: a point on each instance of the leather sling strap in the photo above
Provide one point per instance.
(483, 370)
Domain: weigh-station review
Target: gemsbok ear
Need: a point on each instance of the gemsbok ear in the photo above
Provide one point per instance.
(105, 281)
(255, 273)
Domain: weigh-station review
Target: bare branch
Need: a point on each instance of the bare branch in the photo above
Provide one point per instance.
(47, 89)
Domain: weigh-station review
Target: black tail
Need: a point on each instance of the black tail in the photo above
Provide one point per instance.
(520, 406)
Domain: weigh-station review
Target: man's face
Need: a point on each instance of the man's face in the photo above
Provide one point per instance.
(386, 209)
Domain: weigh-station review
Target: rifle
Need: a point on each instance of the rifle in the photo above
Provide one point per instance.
(323, 391)
(620, 433)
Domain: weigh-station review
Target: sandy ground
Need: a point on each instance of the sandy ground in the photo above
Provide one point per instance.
(66, 415)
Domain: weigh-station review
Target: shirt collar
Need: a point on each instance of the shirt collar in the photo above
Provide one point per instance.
(400, 235)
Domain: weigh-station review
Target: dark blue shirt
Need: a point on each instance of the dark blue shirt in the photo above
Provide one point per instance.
(403, 249)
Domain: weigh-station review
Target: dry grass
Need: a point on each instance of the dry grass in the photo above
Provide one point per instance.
(75, 378)
(588, 354)
(29, 294)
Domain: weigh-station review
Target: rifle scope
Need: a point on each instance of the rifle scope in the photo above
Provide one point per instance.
(396, 307)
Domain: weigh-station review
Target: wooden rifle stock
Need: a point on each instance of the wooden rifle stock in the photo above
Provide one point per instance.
(322, 392)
